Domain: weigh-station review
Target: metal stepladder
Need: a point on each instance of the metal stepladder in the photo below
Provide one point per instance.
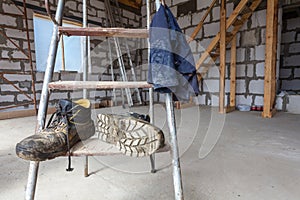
(115, 32)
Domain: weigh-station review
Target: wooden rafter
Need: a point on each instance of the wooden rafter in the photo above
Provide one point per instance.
(270, 61)
(222, 55)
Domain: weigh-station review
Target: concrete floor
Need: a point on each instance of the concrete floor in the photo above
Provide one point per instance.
(252, 159)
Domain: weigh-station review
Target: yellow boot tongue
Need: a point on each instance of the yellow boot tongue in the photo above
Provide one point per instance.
(83, 102)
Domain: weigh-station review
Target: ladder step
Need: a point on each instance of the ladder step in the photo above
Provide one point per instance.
(105, 32)
(78, 85)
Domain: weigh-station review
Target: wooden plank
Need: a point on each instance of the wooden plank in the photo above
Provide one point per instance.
(222, 56)
(233, 72)
(78, 85)
(270, 61)
(230, 109)
(104, 32)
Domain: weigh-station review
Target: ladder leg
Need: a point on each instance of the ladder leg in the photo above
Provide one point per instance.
(152, 160)
(151, 114)
(34, 166)
(174, 148)
(86, 166)
(32, 179)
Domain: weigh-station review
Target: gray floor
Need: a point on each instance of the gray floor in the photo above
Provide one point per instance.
(235, 156)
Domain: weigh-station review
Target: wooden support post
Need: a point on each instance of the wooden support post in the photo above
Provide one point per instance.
(271, 55)
(232, 75)
(222, 55)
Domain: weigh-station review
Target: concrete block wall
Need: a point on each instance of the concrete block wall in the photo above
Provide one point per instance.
(14, 25)
(289, 75)
(250, 50)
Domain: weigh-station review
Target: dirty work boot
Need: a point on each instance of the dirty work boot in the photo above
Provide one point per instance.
(134, 137)
(72, 123)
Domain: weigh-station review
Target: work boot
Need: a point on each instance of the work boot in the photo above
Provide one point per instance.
(72, 123)
(133, 137)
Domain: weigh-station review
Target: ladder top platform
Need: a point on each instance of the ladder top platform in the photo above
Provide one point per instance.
(105, 32)
(77, 85)
(96, 147)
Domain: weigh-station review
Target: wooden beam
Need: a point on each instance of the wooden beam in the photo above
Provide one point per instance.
(233, 72)
(222, 56)
(271, 55)
(104, 32)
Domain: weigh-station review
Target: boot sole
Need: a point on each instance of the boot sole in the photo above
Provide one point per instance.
(133, 137)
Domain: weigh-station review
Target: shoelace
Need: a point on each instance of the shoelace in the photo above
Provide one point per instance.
(62, 118)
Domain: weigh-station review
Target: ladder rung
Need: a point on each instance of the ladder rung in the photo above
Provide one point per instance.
(78, 85)
(104, 32)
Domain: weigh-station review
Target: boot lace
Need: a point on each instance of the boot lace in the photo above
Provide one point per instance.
(61, 123)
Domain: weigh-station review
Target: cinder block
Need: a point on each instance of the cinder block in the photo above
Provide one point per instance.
(184, 21)
(260, 69)
(288, 37)
(259, 100)
(10, 88)
(229, 9)
(56, 96)
(285, 73)
(297, 72)
(200, 100)
(259, 19)
(196, 17)
(17, 77)
(9, 8)
(240, 86)
(213, 72)
(210, 85)
(294, 48)
(240, 54)
(240, 71)
(128, 14)
(7, 98)
(290, 84)
(291, 61)
(22, 97)
(76, 95)
(16, 34)
(260, 52)
(8, 20)
(71, 5)
(256, 86)
(250, 38)
(293, 23)
(6, 65)
(203, 4)
(242, 99)
(250, 70)
(98, 4)
(211, 29)
(216, 14)
(176, 2)
(214, 100)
